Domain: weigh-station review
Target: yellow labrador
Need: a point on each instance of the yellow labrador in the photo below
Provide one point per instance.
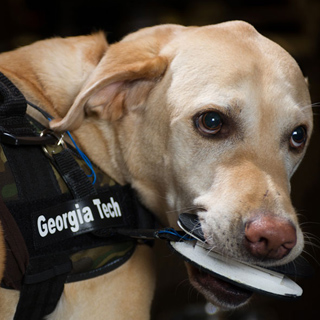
(213, 120)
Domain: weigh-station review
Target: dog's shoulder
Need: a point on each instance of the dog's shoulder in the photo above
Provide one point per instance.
(51, 72)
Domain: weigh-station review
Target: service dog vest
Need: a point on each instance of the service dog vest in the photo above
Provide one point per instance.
(58, 227)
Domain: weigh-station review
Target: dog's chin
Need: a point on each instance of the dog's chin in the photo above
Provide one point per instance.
(219, 292)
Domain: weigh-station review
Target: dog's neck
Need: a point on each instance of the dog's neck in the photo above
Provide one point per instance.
(104, 152)
(46, 83)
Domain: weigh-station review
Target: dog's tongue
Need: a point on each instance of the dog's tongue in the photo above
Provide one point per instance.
(247, 276)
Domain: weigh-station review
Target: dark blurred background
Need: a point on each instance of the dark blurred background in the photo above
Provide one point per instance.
(294, 24)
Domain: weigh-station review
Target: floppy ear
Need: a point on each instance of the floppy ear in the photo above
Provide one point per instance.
(123, 78)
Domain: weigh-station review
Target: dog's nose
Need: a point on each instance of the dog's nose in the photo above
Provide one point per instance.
(269, 237)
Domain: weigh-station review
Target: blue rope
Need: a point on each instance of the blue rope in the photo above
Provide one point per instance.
(83, 156)
(177, 234)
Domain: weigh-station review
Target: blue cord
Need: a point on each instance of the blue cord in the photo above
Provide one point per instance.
(177, 234)
(83, 156)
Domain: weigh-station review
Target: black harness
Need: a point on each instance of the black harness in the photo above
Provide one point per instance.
(46, 225)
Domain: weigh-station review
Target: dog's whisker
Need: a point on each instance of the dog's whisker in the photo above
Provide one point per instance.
(196, 227)
(312, 243)
(181, 283)
(211, 250)
(313, 246)
(310, 236)
(315, 104)
(189, 209)
(311, 256)
(312, 105)
(311, 223)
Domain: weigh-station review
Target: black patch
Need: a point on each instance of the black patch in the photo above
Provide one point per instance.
(75, 217)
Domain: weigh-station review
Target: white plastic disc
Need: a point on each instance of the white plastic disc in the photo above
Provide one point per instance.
(248, 276)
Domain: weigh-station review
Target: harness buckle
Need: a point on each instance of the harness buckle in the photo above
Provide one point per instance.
(55, 148)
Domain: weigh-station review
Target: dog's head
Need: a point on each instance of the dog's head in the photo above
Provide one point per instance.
(211, 120)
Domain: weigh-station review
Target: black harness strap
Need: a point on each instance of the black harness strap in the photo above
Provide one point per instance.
(30, 183)
(45, 276)
(17, 257)
(75, 178)
(43, 286)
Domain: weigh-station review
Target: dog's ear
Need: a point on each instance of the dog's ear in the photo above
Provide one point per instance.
(124, 77)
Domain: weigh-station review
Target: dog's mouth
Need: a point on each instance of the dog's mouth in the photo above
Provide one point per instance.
(224, 281)
(216, 290)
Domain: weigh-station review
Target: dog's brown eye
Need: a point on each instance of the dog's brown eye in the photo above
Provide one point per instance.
(209, 122)
(298, 137)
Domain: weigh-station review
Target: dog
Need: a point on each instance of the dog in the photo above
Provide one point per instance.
(210, 120)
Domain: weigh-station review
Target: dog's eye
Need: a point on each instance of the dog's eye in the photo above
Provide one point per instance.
(209, 122)
(298, 137)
